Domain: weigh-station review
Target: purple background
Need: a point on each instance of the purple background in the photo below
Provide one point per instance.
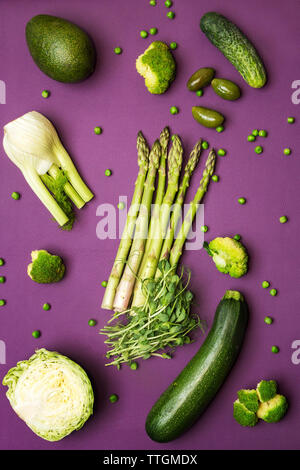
(116, 99)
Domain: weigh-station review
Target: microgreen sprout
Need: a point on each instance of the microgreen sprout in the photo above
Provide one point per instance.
(164, 321)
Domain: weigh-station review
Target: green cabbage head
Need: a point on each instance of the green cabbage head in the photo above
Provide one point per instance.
(51, 393)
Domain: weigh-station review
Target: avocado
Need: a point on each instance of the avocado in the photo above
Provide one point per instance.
(60, 49)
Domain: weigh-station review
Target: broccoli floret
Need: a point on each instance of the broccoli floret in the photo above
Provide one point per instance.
(266, 389)
(45, 268)
(157, 66)
(249, 398)
(229, 255)
(273, 410)
(242, 415)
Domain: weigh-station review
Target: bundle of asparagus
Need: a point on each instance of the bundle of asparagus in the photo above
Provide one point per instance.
(144, 287)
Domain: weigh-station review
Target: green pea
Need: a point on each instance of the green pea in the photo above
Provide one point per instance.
(121, 205)
(2, 262)
(222, 152)
(174, 110)
(199, 92)
(268, 320)
(153, 31)
(108, 172)
(287, 151)
(204, 228)
(36, 333)
(220, 129)
(215, 178)
(265, 284)
(283, 219)
(2, 302)
(262, 133)
(152, 3)
(113, 398)
(134, 365)
(258, 149)
(143, 34)
(173, 45)
(45, 94)
(118, 50)
(98, 130)
(2, 279)
(241, 200)
(171, 15)
(46, 306)
(205, 145)
(290, 120)
(255, 132)
(275, 349)
(273, 292)
(237, 237)
(168, 3)
(251, 138)
(104, 283)
(92, 322)
(15, 195)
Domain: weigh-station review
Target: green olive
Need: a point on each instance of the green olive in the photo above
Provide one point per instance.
(200, 78)
(207, 117)
(226, 89)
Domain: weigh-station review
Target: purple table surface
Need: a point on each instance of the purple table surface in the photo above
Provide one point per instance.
(116, 99)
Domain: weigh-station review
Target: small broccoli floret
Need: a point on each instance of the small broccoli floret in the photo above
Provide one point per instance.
(242, 415)
(249, 398)
(229, 255)
(157, 66)
(45, 268)
(266, 389)
(273, 410)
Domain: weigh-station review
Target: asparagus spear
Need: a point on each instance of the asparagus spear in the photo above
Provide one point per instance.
(160, 192)
(149, 269)
(126, 284)
(125, 243)
(188, 171)
(194, 206)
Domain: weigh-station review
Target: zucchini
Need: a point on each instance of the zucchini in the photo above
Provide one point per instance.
(188, 396)
(235, 46)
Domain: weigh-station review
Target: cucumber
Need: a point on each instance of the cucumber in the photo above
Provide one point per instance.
(188, 396)
(235, 46)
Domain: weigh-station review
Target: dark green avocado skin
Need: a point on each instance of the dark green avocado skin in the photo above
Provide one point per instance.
(60, 49)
